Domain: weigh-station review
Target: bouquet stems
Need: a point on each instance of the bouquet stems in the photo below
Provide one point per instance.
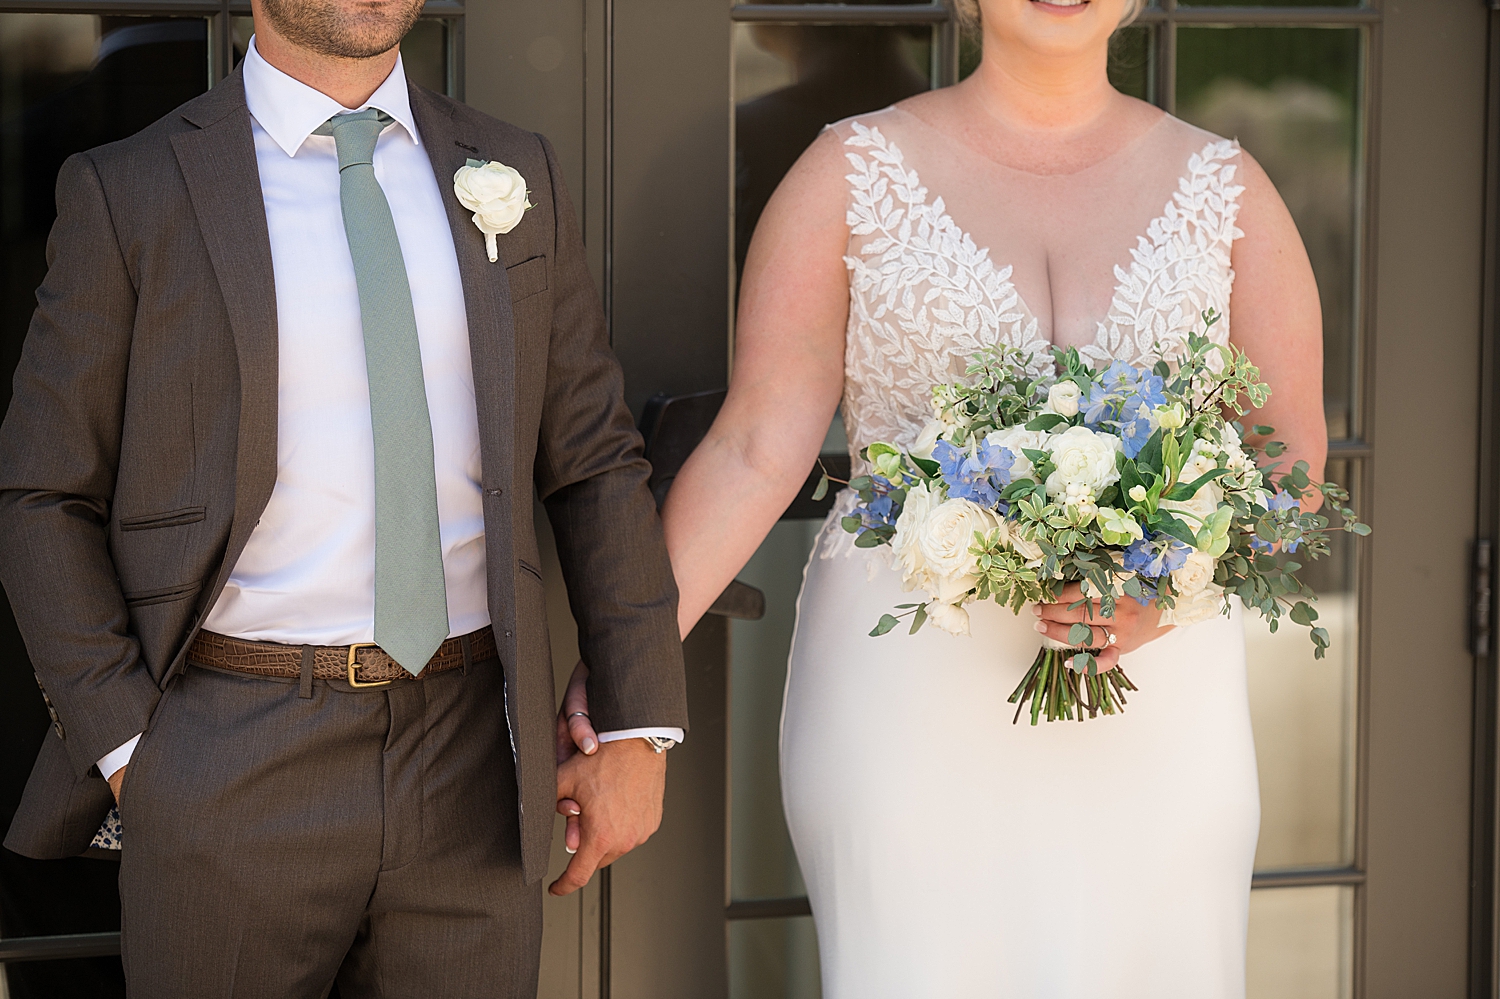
(1058, 692)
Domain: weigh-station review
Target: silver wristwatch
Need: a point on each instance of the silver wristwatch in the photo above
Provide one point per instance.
(659, 743)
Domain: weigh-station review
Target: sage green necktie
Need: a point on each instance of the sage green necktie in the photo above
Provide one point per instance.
(411, 601)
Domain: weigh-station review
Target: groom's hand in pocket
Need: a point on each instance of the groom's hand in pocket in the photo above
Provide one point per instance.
(618, 790)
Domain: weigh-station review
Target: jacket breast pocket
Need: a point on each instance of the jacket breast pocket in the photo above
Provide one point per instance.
(168, 518)
(527, 278)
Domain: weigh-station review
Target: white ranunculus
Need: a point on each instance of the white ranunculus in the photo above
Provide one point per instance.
(919, 502)
(947, 535)
(1193, 576)
(1016, 438)
(497, 196)
(950, 618)
(927, 439)
(1083, 457)
(1200, 607)
(1062, 398)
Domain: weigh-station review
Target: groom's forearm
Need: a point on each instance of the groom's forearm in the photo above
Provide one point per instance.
(592, 479)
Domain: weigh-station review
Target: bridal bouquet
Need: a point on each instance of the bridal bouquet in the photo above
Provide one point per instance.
(1133, 483)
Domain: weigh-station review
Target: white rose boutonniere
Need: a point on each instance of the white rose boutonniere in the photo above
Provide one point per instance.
(497, 196)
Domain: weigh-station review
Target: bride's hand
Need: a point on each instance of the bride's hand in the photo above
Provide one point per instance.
(575, 733)
(1132, 626)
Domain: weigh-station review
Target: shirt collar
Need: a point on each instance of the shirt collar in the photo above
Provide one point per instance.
(289, 110)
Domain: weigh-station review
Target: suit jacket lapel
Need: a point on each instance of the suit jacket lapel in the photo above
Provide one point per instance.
(492, 343)
(218, 164)
(492, 333)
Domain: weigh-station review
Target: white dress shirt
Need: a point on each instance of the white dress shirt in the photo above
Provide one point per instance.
(307, 574)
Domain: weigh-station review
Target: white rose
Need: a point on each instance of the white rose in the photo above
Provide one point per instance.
(950, 618)
(1016, 439)
(1193, 576)
(927, 439)
(1026, 548)
(1084, 457)
(1208, 497)
(497, 196)
(945, 539)
(1190, 610)
(919, 502)
(1062, 398)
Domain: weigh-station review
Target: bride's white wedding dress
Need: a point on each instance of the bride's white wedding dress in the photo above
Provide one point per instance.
(948, 853)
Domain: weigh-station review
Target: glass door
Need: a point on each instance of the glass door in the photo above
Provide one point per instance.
(675, 119)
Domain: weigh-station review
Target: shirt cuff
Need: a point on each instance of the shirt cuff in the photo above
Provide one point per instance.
(675, 734)
(110, 764)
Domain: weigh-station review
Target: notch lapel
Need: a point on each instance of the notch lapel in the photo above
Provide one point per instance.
(218, 164)
(492, 346)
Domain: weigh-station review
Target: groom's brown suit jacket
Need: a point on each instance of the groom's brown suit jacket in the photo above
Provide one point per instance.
(140, 448)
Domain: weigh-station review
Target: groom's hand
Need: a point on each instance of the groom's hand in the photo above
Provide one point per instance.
(619, 791)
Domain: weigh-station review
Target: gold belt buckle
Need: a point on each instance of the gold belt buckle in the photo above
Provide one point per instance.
(353, 653)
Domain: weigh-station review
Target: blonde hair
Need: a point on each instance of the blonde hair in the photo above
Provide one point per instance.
(968, 12)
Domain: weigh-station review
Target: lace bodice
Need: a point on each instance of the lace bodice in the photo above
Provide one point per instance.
(924, 294)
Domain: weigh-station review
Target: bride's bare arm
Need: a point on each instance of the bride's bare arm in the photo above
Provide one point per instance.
(1276, 320)
(786, 383)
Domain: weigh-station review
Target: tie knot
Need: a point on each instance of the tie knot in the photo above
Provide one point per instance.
(355, 135)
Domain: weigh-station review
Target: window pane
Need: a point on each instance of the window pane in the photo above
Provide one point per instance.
(762, 863)
(1291, 96)
(790, 80)
(68, 82)
(1269, 3)
(773, 959)
(1303, 711)
(1300, 943)
(1130, 61)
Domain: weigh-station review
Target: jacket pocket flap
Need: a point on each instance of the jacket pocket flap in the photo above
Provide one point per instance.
(171, 518)
(527, 278)
(160, 595)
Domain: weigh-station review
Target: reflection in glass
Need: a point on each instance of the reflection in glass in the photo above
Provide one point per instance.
(424, 51)
(1303, 712)
(773, 959)
(1290, 96)
(790, 80)
(762, 863)
(1301, 943)
(68, 82)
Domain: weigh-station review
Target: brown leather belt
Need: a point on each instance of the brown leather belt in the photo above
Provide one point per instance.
(362, 665)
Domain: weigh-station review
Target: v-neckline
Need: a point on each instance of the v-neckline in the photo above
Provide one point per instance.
(1155, 224)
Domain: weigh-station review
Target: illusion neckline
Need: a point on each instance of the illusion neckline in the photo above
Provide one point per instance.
(1123, 151)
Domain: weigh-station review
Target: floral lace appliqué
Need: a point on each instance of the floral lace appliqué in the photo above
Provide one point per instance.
(1179, 269)
(923, 296)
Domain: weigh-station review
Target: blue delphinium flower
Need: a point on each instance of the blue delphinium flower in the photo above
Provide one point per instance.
(1135, 425)
(977, 477)
(1284, 501)
(880, 511)
(1155, 555)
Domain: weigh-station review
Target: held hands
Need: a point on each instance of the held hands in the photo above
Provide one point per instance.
(1132, 626)
(610, 793)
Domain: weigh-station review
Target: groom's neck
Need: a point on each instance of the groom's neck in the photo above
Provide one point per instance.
(348, 81)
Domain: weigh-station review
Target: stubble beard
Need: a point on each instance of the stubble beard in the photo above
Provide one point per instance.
(330, 28)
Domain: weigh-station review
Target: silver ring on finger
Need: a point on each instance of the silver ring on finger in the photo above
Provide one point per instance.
(577, 713)
(1113, 638)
